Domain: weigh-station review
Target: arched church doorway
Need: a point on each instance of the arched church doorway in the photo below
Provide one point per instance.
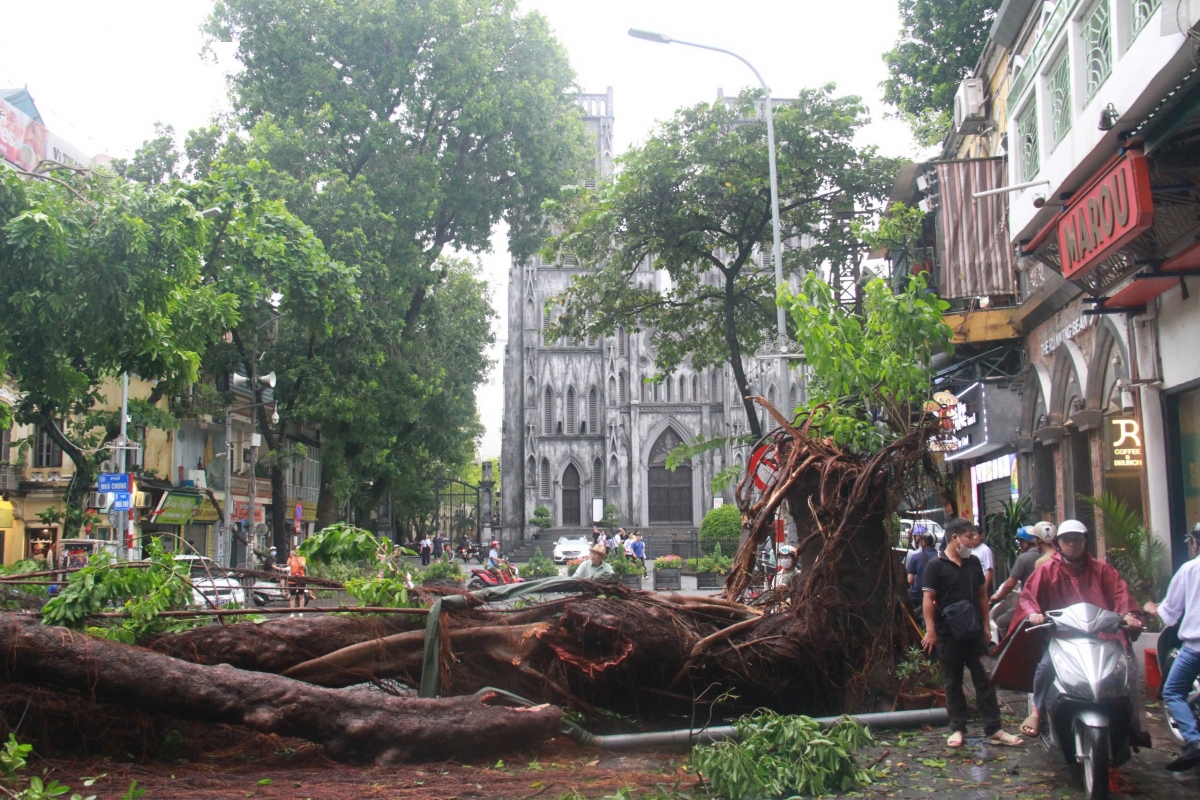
(670, 493)
(570, 496)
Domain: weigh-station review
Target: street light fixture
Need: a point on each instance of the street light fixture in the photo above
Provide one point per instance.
(782, 347)
(777, 246)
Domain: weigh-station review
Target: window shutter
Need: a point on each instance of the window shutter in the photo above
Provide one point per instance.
(598, 478)
(545, 478)
(547, 412)
(592, 410)
(571, 410)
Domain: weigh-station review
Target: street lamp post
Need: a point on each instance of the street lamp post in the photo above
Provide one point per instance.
(783, 347)
(776, 236)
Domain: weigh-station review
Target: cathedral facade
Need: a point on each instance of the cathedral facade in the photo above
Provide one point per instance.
(589, 420)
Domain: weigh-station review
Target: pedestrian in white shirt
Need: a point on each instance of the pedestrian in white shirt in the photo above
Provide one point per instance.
(984, 554)
(1182, 605)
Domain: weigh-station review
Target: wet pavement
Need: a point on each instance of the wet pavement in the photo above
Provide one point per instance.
(918, 764)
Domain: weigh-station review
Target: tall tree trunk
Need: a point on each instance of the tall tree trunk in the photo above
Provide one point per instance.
(327, 503)
(735, 359)
(358, 726)
(281, 517)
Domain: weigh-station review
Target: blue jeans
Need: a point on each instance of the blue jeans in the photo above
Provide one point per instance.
(1176, 690)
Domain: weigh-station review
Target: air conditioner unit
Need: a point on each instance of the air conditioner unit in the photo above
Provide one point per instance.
(93, 500)
(970, 107)
(141, 500)
(101, 501)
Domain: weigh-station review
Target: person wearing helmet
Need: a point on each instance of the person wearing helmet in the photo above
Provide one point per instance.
(1070, 576)
(1044, 533)
(493, 558)
(1182, 606)
(786, 573)
(1023, 567)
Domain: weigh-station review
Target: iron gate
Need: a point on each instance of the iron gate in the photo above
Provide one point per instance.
(457, 510)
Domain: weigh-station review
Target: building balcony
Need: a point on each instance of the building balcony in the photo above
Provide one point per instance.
(303, 494)
(240, 484)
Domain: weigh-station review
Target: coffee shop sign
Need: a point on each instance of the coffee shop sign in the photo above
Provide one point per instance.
(1069, 332)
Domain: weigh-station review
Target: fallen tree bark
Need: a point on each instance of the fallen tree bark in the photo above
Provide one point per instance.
(278, 644)
(352, 725)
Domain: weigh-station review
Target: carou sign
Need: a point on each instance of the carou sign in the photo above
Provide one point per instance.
(1105, 215)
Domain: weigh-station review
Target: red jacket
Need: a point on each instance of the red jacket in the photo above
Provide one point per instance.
(1058, 583)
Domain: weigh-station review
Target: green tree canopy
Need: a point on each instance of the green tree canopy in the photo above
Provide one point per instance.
(939, 43)
(870, 373)
(695, 201)
(401, 131)
(99, 276)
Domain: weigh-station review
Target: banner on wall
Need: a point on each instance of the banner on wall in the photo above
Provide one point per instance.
(22, 139)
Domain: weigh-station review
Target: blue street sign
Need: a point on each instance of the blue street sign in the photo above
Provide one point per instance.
(122, 501)
(113, 482)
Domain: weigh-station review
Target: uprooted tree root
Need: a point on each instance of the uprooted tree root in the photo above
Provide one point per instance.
(822, 645)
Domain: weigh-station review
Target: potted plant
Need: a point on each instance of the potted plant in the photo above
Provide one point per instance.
(573, 565)
(918, 682)
(667, 570)
(712, 569)
(627, 569)
(442, 573)
(539, 566)
(541, 521)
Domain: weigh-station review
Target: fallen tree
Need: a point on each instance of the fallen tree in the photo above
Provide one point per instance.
(353, 725)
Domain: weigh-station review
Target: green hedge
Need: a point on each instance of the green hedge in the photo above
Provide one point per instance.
(721, 526)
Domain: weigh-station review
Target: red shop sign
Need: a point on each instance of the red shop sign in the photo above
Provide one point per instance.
(1104, 216)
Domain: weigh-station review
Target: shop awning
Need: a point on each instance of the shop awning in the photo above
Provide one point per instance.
(6, 514)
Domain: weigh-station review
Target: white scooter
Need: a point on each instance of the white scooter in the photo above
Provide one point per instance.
(1089, 709)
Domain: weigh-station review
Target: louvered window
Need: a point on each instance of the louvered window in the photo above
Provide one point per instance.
(695, 388)
(545, 326)
(547, 412)
(714, 396)
(1060, 97)
(622, 347)
(667, 389)
(792, 399)
(597, 478)
(570, 410)
(593, 411)
(1030, 149)
(623, 388)
(1097, 44)
(545, 478)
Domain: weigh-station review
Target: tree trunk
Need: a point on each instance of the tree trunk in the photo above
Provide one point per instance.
(278, 644)
(735, 359)
(327, 504)
(352, 725)
(281, 516)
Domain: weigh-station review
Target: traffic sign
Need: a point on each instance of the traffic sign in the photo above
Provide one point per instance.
(113, 482)
(299, 511)
(122, 501)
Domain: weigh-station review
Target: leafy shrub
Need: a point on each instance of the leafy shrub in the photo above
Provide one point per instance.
(721, 526)
(390, 592)
(539, 566)
(442, 571)
(621, 564)
(917, 670)
(1134, 552)
(612, 517)
(782, 756)
(341, 542)
(541, 518)
(717, 562)
(668, 562)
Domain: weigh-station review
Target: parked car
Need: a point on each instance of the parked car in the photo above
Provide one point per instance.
(573, 545)
(212, 583)
(906, 526)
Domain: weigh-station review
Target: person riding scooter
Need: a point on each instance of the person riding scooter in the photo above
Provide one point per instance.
(1071, 576)
(1181, 607)
(493, 557)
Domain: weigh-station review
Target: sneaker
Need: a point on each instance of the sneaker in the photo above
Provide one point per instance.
(1190, 757)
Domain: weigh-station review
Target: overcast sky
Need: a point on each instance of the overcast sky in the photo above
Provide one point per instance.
(106, 70)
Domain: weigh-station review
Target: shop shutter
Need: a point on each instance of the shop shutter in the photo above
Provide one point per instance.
(992, 497)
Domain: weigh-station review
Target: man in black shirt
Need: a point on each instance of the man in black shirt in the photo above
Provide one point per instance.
(951, 583)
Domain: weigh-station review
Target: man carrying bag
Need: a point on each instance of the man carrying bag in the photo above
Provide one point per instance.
(955, 604)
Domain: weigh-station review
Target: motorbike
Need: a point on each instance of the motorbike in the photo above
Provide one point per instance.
(1168, 648)
(1089, 709)
(481, 577)
(468, 551)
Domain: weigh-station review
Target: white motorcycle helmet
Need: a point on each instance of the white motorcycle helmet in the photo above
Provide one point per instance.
(1072, 526)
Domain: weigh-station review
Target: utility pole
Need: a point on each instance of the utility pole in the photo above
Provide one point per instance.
(122, 443)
